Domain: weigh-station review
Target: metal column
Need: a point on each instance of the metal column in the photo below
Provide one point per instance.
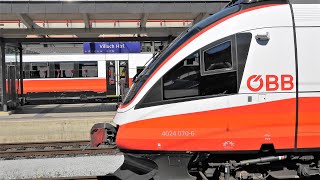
(3, 76)
(21, 72)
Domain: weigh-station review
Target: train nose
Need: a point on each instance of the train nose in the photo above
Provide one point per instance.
(103, 134)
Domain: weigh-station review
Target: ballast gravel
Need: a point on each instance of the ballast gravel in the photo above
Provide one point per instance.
(60, 167)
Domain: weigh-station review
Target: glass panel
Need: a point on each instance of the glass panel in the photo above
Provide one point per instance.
(139, 70)
(111, 73)
(38, 70)
(183, 80)
(216, 84)
(218, 57)
(88, 69)
(67, 70)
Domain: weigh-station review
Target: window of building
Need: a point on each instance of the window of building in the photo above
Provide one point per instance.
(218, 57)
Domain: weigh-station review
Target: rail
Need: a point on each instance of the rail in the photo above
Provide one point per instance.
(52, 150)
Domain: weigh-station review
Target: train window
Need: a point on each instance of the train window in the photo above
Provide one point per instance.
(183, 80)
(218, 57)
(139, 70)
(219, 84)
(38, 70)
(188, 80)
(88, 69)
(67, 70)
(64, 70)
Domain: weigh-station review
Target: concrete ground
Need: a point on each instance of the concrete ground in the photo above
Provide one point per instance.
(60, 167)
(54, 122)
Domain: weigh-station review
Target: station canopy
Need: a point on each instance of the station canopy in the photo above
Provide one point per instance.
(101, 18)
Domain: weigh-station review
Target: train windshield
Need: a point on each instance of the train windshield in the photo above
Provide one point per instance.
(183, 37)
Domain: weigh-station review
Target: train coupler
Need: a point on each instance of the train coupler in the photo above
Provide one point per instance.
(103, 134)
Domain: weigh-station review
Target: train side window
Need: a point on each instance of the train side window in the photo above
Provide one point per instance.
(39, 70)
(189, 80)
(217, 58)
(88, 69)
(218, 68)
(183, 79)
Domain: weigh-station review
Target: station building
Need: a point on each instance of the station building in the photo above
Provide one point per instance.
(85, 49)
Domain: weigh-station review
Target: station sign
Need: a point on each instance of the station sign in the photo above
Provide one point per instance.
(111, 47)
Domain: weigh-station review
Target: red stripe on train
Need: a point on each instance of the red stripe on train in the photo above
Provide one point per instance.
(64, 85)
(237, 128)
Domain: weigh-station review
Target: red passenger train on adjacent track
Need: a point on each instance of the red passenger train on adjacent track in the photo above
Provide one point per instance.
(236, 96)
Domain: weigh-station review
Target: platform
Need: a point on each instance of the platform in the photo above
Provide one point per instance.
(54, 122)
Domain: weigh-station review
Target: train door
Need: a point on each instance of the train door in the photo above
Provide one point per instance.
(12, 82)
(123, 78)
(117, 78)
(111, 78)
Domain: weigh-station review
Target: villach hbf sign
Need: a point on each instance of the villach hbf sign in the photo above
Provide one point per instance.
(111, 47)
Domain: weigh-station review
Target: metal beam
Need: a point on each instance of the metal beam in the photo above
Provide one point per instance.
(71, 40)
(131, 7)
(21, 70)
(174, 31)
(143, 20)
(27, 21)
(86, 20)
(112, 1)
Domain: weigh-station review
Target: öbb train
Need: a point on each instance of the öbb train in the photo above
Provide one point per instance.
(74, 76)
(236, 96)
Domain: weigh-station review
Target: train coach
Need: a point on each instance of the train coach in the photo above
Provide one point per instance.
(84, 76)
(236, 96)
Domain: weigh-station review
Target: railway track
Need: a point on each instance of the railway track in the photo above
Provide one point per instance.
(51, 150)
(107, 177)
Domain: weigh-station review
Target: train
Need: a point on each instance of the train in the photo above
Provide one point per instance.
(236, 96)
(80, 76)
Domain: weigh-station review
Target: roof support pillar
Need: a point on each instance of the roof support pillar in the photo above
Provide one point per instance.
(27, 21)
(86, 20)
(4, 102)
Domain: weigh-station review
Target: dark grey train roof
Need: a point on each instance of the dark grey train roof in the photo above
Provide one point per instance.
(305, 1)
(233, 2)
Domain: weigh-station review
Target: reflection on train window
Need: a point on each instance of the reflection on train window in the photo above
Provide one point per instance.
(88, 69)
(219, 84)
(183, 80)
(218, 57)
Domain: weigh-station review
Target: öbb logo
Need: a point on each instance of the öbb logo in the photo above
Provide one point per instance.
(256, 82)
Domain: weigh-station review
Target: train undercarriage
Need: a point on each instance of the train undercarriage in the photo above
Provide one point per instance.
(208, 166)
(262, 165)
